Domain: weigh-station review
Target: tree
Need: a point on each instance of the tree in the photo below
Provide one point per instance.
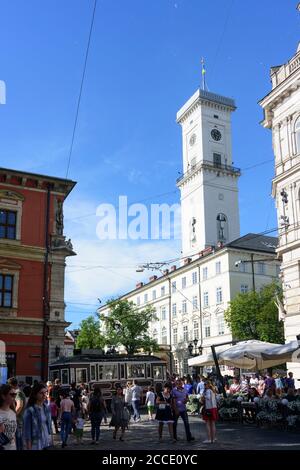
(90, 336)
(254, 315)
(126, 325)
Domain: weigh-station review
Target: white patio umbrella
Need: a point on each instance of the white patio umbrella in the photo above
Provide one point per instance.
(252, 354)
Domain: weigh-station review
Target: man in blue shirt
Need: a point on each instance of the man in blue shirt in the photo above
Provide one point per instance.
(180, 397)
(201, 386)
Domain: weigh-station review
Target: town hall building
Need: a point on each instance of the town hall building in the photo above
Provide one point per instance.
(217, 263)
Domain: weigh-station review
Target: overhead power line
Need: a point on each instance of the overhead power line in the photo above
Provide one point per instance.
(81, 88)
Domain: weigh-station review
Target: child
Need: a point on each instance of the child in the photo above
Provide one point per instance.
(150, 400)
(54, 413)
(79, 425)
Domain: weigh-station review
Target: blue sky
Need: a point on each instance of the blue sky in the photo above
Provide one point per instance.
(144, 63)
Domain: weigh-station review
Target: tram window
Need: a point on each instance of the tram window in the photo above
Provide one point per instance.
(93, 372)
(135, 370)
(72, 375)
(149, 370)
(54, 374)
(122, 371)
(158, 373)
(65, 376)
(108, 372)
(81, 376)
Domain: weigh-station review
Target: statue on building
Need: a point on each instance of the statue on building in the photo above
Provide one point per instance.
(59, 217)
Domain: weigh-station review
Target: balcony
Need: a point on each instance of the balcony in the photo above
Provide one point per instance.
(208, 165)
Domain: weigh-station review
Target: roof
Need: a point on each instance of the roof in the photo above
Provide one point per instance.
(255, 242)
(252, 241)
(84, 358)
(61, 183)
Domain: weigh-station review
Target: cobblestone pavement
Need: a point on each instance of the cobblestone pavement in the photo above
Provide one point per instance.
(230, 436)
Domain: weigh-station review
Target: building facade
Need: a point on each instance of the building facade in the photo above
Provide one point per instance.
(282, 115)
(33, 250)
(190, 299)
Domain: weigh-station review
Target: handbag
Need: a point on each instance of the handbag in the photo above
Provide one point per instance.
(4, 439)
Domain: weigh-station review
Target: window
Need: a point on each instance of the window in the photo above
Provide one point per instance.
(277, 269)
(107, 372)
(81, 375)
(218, 267)
(243, 267)
(194, 277)
(195, 302)
(163, 291)
(217, 159)
(138, 301)
(205, 273)
(185, 366)
(244, 288)
(158, 373)
(183, 282)
(206, 327)
(175, 336)
(174, 310)
(185, 333)
(196, 330)
(6, 290)
(174, 286)
(222, 228)
(93, 372)
(153, 294)
(163, 313)
(135, 370)
(176, 370)
(221, 325)
(145, 298)
(184, 308)
(164, 339)
(205, 299)
(219, 295)
(261, 268)
(154, 335)
(8, 224)
(65, 376)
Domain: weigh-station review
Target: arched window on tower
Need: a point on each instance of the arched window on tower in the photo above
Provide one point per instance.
(222, 228)
(297, 135)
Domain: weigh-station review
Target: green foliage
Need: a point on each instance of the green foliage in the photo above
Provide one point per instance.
(254, 315)
(126, 325)
(90, 336)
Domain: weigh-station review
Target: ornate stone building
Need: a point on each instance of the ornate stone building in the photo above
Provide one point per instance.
(33, 250)
(282, 114)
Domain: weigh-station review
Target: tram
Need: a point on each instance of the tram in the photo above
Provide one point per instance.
(106, 371)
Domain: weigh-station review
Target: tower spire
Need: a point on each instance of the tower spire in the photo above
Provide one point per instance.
(203, 72)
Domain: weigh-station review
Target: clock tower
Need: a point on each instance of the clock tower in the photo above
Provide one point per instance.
(209, 183)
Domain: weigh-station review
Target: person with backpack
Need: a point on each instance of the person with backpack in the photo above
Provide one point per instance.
(97, 410)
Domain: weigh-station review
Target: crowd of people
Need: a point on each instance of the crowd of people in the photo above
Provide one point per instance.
(30, 415)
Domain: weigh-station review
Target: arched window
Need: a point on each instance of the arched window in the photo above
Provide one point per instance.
(222, 228)
(297, 135)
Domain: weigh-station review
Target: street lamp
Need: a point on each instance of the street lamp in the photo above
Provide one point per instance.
(192, 346)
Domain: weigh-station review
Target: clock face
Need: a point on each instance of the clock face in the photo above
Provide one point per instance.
(192, 139)
(216, 134)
